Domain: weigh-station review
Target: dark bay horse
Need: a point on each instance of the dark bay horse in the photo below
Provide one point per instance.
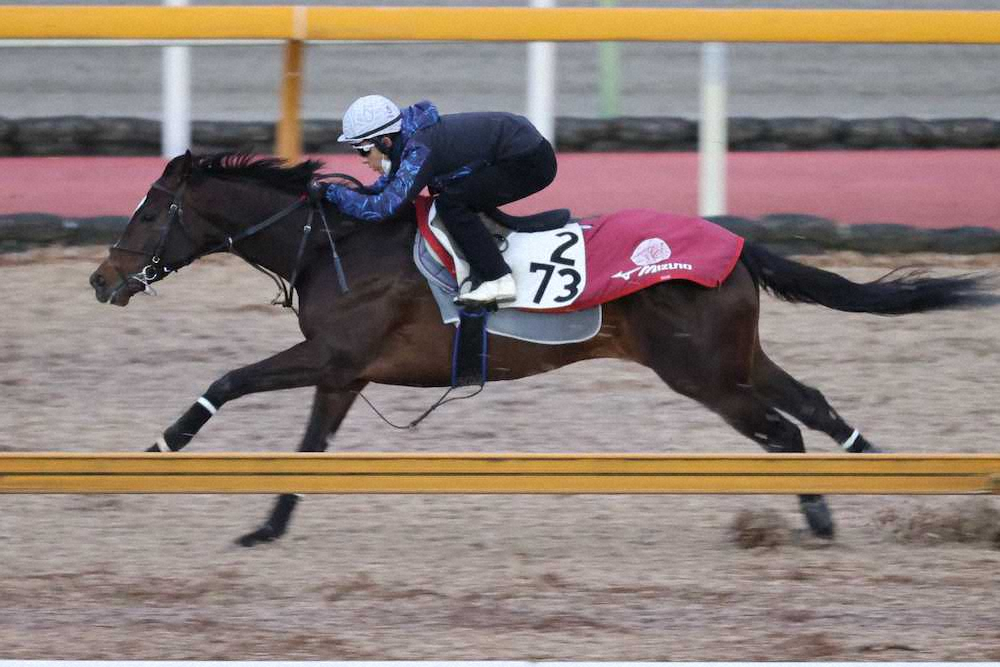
(386, 328)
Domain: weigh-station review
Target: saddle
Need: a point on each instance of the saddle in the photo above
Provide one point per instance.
(544, 221)
(433, 257)
(548, 263)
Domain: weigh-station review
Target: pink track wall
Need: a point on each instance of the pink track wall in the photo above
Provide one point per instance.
(940, 189)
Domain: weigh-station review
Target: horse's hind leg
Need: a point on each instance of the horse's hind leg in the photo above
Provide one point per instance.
(702, 344)
(804, 403)
(328, 411)
(753, 417)
(749, 414)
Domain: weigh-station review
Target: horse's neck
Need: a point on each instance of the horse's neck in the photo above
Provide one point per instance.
(274, 247)
(375, 243)
(383, 247)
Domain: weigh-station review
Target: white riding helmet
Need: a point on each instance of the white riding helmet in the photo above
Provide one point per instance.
(370, 116)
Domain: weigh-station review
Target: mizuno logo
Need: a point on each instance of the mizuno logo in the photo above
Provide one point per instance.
(653, 268)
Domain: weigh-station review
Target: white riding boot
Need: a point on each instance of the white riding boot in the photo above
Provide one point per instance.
(494, 291)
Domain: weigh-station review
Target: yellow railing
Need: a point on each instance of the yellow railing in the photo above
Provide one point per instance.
(500, 473)
(298, 24)
(503, 24)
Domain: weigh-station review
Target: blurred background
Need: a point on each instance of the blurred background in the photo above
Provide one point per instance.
(766, 80)
(807, 122)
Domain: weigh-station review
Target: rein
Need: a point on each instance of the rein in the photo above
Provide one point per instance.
(426, 413)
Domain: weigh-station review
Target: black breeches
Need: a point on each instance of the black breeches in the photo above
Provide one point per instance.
(493, 186)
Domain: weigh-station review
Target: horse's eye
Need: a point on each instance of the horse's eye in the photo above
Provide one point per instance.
(147, 217)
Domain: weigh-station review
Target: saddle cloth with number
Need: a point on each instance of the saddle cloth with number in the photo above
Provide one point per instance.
(596, 260)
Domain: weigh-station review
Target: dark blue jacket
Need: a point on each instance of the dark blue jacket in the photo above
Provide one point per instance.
(433, 151)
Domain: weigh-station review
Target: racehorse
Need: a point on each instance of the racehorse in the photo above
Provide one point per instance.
(386, 327)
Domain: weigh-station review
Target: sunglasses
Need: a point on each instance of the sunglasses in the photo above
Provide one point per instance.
(364, 149)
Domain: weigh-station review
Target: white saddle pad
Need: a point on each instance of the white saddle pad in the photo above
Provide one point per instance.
(550, 268)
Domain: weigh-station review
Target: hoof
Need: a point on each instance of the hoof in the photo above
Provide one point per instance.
(818, 518)
(263, 534)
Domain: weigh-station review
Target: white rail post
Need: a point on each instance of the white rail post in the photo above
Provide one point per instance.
(610, 65)
(542, 82)
(712, 136)
(175, 136)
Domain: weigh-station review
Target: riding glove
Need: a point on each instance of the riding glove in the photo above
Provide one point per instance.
(317, 191)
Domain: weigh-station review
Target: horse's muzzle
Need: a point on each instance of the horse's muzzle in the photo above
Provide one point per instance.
(117, 294)
(100, 286)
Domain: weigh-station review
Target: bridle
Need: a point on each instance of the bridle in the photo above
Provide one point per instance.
(157, 270)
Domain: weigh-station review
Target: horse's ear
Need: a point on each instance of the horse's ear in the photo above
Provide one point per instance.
(180, 166)
(186, 164)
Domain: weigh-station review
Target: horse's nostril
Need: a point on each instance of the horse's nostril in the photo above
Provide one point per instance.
(97, 281)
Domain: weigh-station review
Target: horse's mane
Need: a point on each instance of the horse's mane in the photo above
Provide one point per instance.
(271, 171)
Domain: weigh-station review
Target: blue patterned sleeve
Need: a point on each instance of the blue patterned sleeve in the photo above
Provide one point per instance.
(378, 186)
(411, 177)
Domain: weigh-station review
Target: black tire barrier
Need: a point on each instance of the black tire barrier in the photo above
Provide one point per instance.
(79, 135)
(785, 233)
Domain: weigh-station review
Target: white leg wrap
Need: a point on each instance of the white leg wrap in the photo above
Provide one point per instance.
(850, 441)
(162, 445)
(207, 404)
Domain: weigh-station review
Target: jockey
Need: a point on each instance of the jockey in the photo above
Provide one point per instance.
(471, 162)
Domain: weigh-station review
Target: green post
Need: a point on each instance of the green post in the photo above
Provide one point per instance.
(610, 64)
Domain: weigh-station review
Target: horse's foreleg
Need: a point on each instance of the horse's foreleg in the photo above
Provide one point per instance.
(328, 411)
(302, 365)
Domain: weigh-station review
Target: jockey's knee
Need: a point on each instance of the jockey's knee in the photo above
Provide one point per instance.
(449, 203)
(454, 211)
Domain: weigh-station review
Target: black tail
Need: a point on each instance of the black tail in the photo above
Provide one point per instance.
(896, 293)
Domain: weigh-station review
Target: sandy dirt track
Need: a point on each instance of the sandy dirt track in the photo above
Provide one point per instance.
(478, 577)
